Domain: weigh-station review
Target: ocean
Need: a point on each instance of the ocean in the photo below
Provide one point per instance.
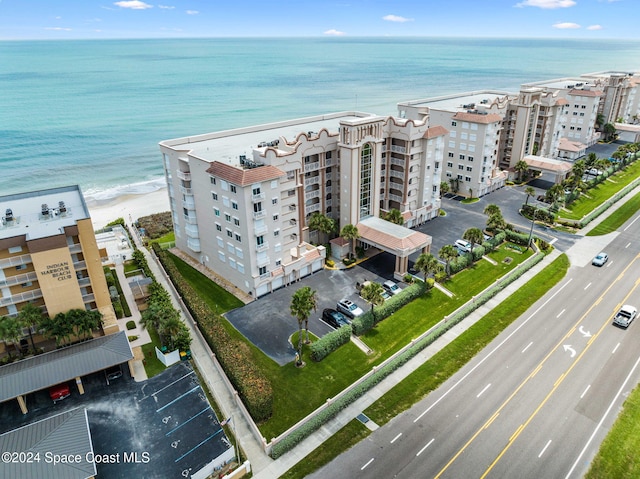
(92, 112)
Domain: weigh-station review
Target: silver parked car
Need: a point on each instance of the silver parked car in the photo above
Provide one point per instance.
(601, 259)
(349, 308)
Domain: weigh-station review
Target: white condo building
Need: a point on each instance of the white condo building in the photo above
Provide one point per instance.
(241, 199)
(471, 149)
(621, 100)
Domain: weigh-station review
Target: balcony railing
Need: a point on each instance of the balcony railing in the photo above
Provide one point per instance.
(312, 194)
(311, 166)
(80, 265)
(398, 149)
(259, 214)
(15, 261)
(257, 197)
(398, 162)
(395, 198)
(313, 208)
(87, 298)
(260, 230)
(186, 191)
(184, 175)
(314, 180)
(19, 279)
(396, 174)
(192, 220)
(193, 245)
(192, 231)
(262, 247)
(21, 298)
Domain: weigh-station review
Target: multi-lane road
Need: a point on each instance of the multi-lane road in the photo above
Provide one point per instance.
(538, 401)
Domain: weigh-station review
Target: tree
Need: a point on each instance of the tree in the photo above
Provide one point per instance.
(609, 131)
(492, 209)
(10, 331)
(473, 236)
(169, 331)
(29, 316)
(590, 161)
(426, 264)
(303, 301)
(322, 223)
(578, 169)
(521, 167)
(448, 253)
(529, 191)
(444, 188)
(372, 293)
(350, 233)
(394, 216)
(495, 221)
(554, 193)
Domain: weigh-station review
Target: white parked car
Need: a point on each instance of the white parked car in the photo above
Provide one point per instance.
(349, 308)
(463, 245)
(391, 287)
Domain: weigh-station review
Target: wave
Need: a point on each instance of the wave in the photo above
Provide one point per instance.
(97, 197)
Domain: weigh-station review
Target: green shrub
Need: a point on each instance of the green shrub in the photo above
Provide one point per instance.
(330, 342)
(117, 308)
(131, 325)
(518, 238)
(431, 281)
(359, 251)
(132, 338)
(408, 278)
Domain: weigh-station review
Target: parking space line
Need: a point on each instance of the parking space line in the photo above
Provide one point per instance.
(188, 420)
(198, 445)
(171, 384)
(178, 398)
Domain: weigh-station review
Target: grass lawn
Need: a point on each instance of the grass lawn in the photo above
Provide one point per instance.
(618, 455)
(218, 298)
(152, 364)
(601, 193)
(168, 238)
(618, 217)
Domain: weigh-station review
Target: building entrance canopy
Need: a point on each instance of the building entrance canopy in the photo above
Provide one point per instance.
(394, 239)
(560, 168)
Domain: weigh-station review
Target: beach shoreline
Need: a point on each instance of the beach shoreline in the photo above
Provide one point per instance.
(130, 207)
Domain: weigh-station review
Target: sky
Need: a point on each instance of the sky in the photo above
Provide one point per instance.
(96, 19)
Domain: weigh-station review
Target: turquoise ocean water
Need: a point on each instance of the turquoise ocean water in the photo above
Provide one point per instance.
(93, 112)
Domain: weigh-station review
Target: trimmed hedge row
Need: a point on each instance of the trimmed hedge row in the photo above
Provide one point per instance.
(293, 439)
(369, 319)
(235, 356)
(330, 342)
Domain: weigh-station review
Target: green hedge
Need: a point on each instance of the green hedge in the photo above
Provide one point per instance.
(235, 356)
(330, 342)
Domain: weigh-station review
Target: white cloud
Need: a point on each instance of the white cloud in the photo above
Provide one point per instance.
(133, 5)
(334, 32)
(547, 4)
(566, 25)
(594, 27)
(396, 18)
(166, 7)
(192, 12)
(58, 29)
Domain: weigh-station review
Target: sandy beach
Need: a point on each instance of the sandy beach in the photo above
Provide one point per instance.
(128, 206)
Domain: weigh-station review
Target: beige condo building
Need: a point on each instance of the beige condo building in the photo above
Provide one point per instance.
(49, 256)
(241, 199)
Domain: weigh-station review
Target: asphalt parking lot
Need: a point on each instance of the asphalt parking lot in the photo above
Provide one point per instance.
(145, 420)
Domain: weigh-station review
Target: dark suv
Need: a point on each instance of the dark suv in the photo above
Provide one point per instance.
(334, 318)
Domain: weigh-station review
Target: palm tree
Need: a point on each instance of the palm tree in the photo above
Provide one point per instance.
(444, 188)
(473, 236)
(303, 301)
(169, 330)
(521, 167)
(492, 209)
(590, 161)
(609, 131)
(426, 264)
(30, 315)
(554, 193)
(372, 292)
(394, 216)
(10, 331)
(578, 168)
(495, 221)
(322, 223)
(529, 191)
(448, 253)
(350, 233)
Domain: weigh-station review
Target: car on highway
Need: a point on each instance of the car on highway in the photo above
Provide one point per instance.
(600, 259)
(349, 308)
(625, 316)
(391, 287)
(334, 318)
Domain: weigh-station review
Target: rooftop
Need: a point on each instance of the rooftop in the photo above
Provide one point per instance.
(576, 83)
(391, 237)
(227, 146)
(38, 214)
(460, 102)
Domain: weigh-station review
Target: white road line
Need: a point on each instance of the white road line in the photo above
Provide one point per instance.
(553, 240)
(585, 391)
(428, 444)
(485, 388)
(544, 449)
(587, 286)
(630, 224)
(370, 461)
(395, 438)
(446, 393)
(615, 349)
(560, 313)
(527, 346)
(604, 416)
(609, 263)
(628, 244)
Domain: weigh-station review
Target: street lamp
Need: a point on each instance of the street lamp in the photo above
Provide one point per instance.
(533, 220)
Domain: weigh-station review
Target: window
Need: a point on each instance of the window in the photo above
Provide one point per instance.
(278, 262)
(21, 266)
(240, 267)
(452, 144)
(274, 184)
(465, 125)
(239, 253)
(327, 155)
(255, 190)
(467, 178)
(238, 238)
(216, 211)
(463, 135)
(27, 284)
(451, 154)
(220, 242)
(463, 146)
(234, 205)
(460, 177)
(225, 201)
(232, 263)
(581, 114)
(257, 207)
(366, 185)
(227, 217)
(276, 233)
(462, 157)
(277, 248)
(453, 123)
(461, 167)
(230, 248)
(214, 196)
(469, 158)
(449, 164)
(230, 233)
(291, 175)
(236, 221)
(469, 168)
(224, 185)
(232, 188)
(262, 270)
(218, 226)
(452, 134)
(275, 217)
(15, 249)
(291, 192)
(449, 174)
(213, 180)
(260, 240)
(274, 201)
(436, 165)
(221, 256)
(575, 113)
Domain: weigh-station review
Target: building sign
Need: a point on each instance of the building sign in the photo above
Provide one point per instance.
(60, 271)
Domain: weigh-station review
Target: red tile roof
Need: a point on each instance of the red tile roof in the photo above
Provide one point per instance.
(477, 117)
(242, 177)
(585, 92)
(435, 131)
(391, 237)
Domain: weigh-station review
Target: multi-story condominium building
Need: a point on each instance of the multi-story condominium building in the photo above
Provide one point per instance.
(49, 256)
(621, 99)
(474, 121)
(241, 199)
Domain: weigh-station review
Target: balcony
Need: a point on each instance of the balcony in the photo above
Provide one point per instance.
(184, 175)
(314, 180)
(189, 203)
(260, 230)
(398, 149)
(192, 231)
(312, 194)
(262, 247)
(191, 219)
(193, 245)
(262, 261)
(255, 197)
(395, 198)
(15, 261)
(259, 214)
(311, 166)
(84, 281)
(19, 279)
(186, 191)
(396, 174)
(21, 298)
(313, 208)
(75, 248)
(78, 265)
(398, 162)
(88, 298)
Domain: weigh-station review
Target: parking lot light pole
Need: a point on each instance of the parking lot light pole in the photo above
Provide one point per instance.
(533, 221)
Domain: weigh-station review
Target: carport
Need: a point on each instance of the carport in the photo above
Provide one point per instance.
(394, 239)
(62, 365)
(559, 168)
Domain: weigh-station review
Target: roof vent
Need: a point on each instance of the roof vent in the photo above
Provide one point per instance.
(44, 209)
(61, 207)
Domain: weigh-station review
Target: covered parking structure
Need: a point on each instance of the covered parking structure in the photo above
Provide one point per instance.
(62, 365)
(559, 168)
(394, 239)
